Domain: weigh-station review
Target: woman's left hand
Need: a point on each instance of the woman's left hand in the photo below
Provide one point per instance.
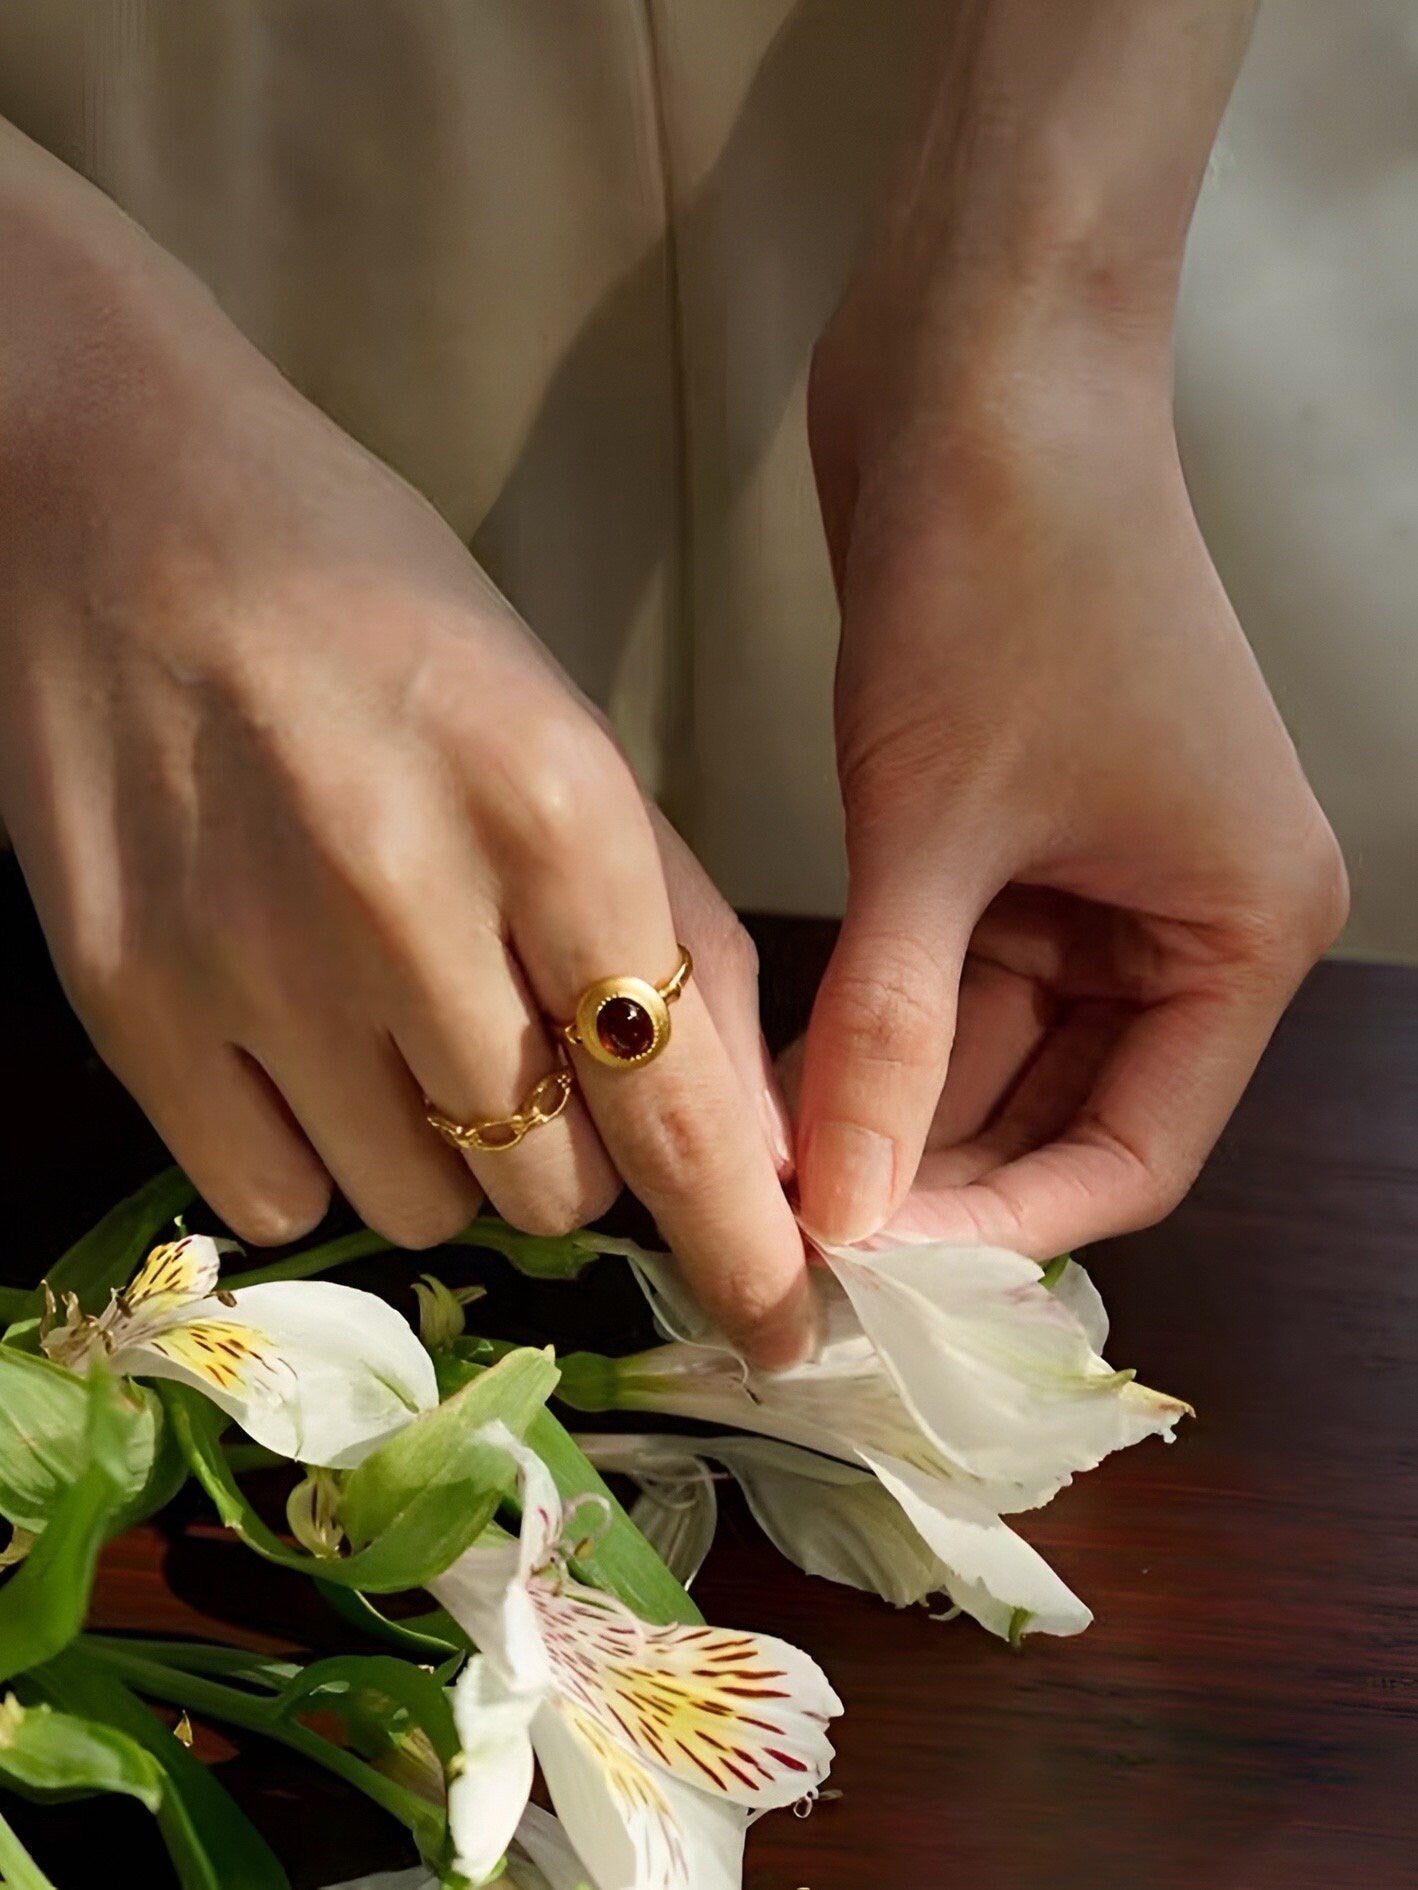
(1086, 871)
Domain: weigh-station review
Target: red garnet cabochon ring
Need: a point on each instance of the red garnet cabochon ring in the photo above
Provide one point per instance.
(626, 1021)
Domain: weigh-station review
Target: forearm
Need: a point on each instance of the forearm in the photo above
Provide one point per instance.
(1053, 175)
(94, 316)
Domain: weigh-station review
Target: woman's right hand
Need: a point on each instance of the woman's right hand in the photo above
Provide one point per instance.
(314, 826)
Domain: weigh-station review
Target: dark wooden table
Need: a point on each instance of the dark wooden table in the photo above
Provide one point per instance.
(1244, 1713)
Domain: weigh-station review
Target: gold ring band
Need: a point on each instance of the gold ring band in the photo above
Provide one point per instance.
(625, 1021)
(544, 1103)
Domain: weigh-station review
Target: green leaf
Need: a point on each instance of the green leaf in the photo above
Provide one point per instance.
(620, 1560)
(43, 1420)
(44, 1754)
(42, 1606)
(197, 1425)
(429, 1637)
(403, 1492)
(413, 1505)
(18, 1869)
(213, 1845)
(43, 1412)
(371, 1682)
(166, 1474)
(210, 1657)
(15, 1304)
(215, 1700)
(109, 1255)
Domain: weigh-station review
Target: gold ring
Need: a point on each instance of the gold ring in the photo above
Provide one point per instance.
(544, 1104)
(624, 1021)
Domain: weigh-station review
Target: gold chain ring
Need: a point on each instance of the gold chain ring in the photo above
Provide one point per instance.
(544, 1104)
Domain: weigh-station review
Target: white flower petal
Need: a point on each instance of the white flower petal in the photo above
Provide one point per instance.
(832, 1519)
(325, 1372)
(997, 1369)
(1077, 1291)
(486, 1594)
(175, 1274)
(489, 1791)
(679, 1521)
(634, 1829)
(542, 1857)
(488, 1589)
(676, 1312)
(741, 1714)
(677, 1510)
(991, 1573)
(713, 1833)
(543, 1517)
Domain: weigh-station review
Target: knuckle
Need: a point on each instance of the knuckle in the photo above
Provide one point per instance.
(681, 1148)
(889, 763)
(416, 1226)
(737, 950)
(1160, 1190)
(748, 1304)
(1328, 890)
(562, 777)
(102, 975)
(1298, 906)
(96, 985)
(272, 1219)
(549, 1216)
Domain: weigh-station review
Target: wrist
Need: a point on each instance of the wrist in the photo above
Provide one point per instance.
(995, 368)
(1050, 185)
(95, 323)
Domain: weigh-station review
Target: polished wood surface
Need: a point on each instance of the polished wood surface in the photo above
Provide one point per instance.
(1243, 1715)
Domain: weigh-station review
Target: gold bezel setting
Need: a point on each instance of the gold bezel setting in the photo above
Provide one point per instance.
(647, 1007)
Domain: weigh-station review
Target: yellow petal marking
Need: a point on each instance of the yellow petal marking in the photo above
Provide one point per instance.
(660, 1854)
(230, 1356)
(173, 1275)
(709, 1705)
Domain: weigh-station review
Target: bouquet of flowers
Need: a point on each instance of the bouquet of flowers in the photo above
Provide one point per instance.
(953, 1387)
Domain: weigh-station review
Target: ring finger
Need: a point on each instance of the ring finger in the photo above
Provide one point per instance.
(481, 1053)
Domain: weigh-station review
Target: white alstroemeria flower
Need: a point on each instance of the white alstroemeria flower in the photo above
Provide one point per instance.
(953, 1375)
(831, 1518)
(314, 1371)
(656, 1743)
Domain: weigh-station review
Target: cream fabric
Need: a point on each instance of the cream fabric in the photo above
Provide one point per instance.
(562, 262)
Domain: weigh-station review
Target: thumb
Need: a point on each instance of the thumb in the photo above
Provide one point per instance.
(879, 1042)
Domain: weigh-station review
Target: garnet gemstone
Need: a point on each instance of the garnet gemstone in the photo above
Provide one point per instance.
(624, 1028)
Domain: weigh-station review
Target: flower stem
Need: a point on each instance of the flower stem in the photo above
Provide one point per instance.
(322, 1259)
(535, 1253)
(18, 1870)
(198, 1694)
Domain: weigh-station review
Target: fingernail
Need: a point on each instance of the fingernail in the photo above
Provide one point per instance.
(773, 1110)
(775, 1126)
(849, 1181)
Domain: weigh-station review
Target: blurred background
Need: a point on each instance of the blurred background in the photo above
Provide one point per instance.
(563, 267)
